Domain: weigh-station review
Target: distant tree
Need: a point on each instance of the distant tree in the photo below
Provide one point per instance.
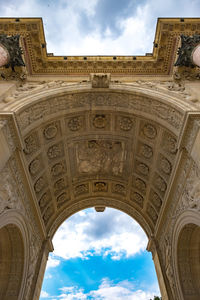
(157, 298)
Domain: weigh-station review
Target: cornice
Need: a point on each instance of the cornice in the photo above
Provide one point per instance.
(159, 63)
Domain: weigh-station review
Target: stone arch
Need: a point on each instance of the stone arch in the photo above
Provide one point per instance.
(93, 202)
(135, 133)
(186, 246)
(13, 255)
(108, 144)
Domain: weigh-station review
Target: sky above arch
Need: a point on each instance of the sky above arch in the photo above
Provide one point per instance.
(99, 27)
(100, 256)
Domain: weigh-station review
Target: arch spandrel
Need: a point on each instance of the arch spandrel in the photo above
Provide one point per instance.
(100, 144)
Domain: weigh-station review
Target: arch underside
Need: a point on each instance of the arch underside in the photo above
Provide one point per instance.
(83, 149)
(11, 262)
(188, 253)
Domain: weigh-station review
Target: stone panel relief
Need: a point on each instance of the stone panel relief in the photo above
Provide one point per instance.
(133, 103)
(169, 265)
(164, 165)
(48, 214)
(31, 143)
(55, 151)
(135, 197)
(36, 166)
(142, 169)
(59, 185)
(160, 184)
(8, 196)
(118, 188)
(155, 200)
(7, 126)
(191, 193)
(81, 189)
(152, 213)
(145, 151)
(140, 185)
(169, 143)
(58, 169)
(45, 200)
(100, 156)
(62, 199)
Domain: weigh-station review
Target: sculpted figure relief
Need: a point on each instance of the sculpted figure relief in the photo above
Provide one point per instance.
(101, 156)
(191, 193)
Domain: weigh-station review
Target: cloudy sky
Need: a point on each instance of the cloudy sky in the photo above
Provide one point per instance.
(99, 27)
(100, 256)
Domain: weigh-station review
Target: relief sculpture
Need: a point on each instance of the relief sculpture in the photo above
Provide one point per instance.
(100, 156)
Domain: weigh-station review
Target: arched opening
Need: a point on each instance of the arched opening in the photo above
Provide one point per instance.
(100, 255)
(188, 258)
(11, 262)
(88, 147)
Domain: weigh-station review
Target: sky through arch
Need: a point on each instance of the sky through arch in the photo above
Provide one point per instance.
(100, 256)
(99, 27)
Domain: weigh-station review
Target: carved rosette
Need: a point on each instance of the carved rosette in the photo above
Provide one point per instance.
(125, 123)
(149, 131)
(75, 123)
(137, 198)
(81, 189)
(100, 121)
(50, 131)
(58, 169)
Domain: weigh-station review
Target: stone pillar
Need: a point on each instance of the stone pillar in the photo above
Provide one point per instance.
(4, 148)
(41, 267)
(153, 248)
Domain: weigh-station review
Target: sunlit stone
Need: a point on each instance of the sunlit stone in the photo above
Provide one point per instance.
(4, 56)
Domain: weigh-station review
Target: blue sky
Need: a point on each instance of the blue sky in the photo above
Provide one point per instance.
(100, 256)
(99, 27)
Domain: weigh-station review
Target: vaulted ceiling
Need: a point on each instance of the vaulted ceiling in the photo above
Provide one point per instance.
(99, 148)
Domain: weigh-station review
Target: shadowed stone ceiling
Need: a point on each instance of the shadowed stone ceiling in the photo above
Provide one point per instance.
(99, 148)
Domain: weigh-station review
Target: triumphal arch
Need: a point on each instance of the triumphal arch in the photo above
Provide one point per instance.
(104, 131)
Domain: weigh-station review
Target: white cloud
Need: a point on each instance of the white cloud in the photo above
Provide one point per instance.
(44, 294)
(106, 291)
(52, 262)
(110, 233)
